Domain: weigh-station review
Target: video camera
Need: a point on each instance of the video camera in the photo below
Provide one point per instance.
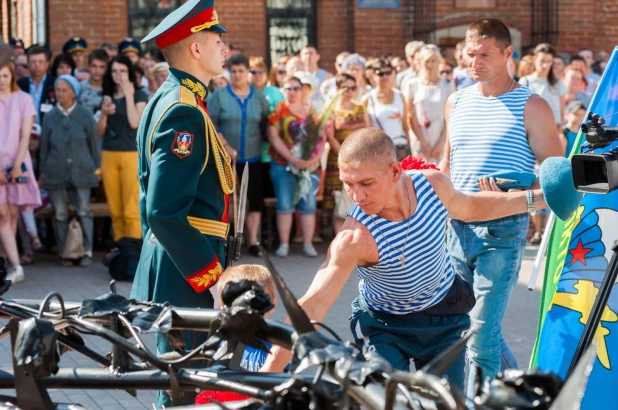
(596, 173)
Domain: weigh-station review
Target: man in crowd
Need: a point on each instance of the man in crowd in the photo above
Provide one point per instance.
(310, 57)
(18, 47)
(515, 130)
(130, 48)
(91, 94)
(184, 197)
(412, 304)
(328, 86)
(293, 66)
(461, 73)
(110, 49)
(411, 49)
(76, 47)
(39, 85)
(21, 67)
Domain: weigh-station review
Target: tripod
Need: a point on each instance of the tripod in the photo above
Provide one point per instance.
(597, 308)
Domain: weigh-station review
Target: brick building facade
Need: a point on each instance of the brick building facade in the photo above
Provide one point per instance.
(370, 27)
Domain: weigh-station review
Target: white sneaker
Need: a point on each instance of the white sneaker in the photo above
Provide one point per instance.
(310, 251)
(283, 251)
(16, 274)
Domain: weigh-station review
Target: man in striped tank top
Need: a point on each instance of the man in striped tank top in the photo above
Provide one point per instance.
(494, 125)
(411, 305)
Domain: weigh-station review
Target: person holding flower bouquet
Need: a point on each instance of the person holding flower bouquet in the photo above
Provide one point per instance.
(347, 117)
(296, 155)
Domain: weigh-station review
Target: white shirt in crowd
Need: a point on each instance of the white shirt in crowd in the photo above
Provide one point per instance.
(429, 104)
(389, 118)
(549, 93)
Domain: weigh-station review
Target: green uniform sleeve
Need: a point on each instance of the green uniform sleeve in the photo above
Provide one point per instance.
(178, 155)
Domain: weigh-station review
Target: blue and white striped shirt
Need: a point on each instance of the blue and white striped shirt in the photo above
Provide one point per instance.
(426, 275)
(487, 134)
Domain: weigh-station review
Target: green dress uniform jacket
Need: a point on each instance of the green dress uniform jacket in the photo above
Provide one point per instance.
(185, 180)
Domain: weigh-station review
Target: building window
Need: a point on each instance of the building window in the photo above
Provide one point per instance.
(145, 15)
(291, 25)
(475, 4)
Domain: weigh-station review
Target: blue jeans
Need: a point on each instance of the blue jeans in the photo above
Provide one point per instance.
(488, 255)
(417, 336)
(284, 182)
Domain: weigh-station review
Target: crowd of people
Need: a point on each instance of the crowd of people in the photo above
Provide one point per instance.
(72, 122)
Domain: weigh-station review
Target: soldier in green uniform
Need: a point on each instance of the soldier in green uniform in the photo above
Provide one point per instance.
(185, 174)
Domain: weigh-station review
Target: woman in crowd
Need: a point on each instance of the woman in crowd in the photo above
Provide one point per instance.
(63, 64)
(368, 73)
(446, 70)
(283, 140)
(277, 72)
(526, 66)
(575, 82)
(215, 83)
(70, 158)
(385, 106)
(543, 82)
(240, 112)
(159, 74)
(425, 97)
(18, 186)
(558, 66)
(354, 65)
(259, 80)
(348, 116)
(274, 95)
(122, 108)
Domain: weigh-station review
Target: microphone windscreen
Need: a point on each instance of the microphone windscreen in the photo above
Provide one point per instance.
(556, 179)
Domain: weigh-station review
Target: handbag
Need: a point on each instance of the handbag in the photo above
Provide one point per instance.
(343, 204)
(74, 242)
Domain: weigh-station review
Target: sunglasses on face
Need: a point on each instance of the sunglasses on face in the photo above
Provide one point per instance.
(352, 89)
(446, 72)
(23, 65)
(297, 88)
(281, 72)
(382, 73)
(254, 72)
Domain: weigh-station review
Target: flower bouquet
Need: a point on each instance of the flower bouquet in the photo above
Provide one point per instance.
(310, 137)
(410, 163)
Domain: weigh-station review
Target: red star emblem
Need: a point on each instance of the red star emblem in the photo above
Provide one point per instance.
(579, 253)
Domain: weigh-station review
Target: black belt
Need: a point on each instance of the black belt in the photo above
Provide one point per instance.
(458, 301)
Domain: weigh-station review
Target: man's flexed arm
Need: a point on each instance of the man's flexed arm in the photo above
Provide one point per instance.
(343, 254)
(541, 129)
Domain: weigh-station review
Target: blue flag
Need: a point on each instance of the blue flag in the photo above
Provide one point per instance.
(584, 252)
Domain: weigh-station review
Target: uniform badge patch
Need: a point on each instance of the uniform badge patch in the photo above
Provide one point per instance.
(182, 146)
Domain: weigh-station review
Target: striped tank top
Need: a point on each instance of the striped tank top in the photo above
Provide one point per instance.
(487, 134)
(426, 275)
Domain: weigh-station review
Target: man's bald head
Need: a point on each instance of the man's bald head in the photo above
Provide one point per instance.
(367, 145)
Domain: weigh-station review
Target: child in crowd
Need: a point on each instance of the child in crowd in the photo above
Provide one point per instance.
(252, 359)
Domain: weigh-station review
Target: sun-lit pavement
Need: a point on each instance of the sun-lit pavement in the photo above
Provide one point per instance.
(76, 284)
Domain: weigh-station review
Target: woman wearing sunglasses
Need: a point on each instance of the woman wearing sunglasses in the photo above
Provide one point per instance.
(347, 117)
(281, 125)
(385, 107)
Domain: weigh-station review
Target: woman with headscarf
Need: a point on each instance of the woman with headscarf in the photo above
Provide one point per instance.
(70, 158)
